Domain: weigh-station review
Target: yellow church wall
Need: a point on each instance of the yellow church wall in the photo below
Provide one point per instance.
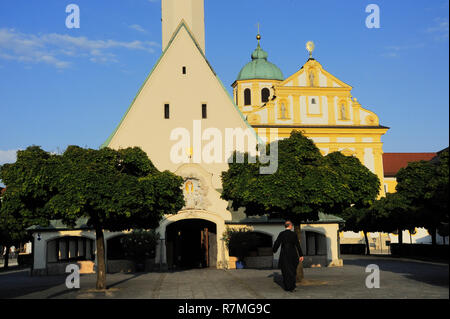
(391, 184)
(328, 108)
(369, 153)
(256, 86)
(331, 110)
(256, 95)
(296, 112)
(356, 132)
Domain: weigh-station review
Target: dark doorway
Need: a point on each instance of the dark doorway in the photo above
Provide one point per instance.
(191, 243)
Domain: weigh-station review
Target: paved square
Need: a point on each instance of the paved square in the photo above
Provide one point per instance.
(399, 278)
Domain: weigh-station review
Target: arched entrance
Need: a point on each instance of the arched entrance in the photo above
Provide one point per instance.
(191, 243)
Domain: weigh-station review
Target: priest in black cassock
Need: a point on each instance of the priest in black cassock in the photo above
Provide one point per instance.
(290, 255)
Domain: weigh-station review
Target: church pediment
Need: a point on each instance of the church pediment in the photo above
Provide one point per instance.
(313, 75)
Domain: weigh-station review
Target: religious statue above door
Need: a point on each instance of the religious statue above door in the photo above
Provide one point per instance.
(193, 194)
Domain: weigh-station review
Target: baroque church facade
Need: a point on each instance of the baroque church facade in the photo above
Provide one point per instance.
(311, 100)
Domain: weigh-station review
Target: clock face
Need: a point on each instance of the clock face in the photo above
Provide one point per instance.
(310, 46)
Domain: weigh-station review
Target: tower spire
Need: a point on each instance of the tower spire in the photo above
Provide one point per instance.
(258, 36)
(192, 12)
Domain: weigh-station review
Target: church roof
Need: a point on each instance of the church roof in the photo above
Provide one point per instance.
(265, 219)
(393, 162)
(180, 27)
(260, 68)
(57, 224)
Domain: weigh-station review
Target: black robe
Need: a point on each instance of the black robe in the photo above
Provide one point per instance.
(289, 257)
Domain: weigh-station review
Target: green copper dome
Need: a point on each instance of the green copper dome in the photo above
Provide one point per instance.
(260, 68)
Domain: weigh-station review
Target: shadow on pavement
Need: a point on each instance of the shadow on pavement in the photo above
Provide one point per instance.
(278, 279)
(20, 283)
(432, 274)
(92, 290)
(125, 280)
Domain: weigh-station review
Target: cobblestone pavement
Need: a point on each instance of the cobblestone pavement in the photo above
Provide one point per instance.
(399, 278)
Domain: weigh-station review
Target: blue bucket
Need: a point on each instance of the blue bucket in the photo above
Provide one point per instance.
(239, 265)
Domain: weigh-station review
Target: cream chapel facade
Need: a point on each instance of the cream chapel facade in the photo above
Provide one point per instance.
(183, 93)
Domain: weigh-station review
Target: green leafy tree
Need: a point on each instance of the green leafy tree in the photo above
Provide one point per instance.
(387, 214)
(356, 185)
(240, 241)
(425, 185)
(421, 200)
(360, 219)
(12, 227)
(305, 183)
(114, 190)
(140, 245)
(22, 204)
(359, 189)
(395, 214)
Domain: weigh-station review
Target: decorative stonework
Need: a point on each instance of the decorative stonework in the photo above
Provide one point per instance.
(370, 120)
(347, 152)
(195, 192)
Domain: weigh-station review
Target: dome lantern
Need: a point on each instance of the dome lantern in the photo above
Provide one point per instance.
(259, 67)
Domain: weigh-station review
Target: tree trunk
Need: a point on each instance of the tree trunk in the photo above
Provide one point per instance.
(300, 274)
(400, 236)
(433, 235)
(6, 257)
(367, 243)
(101, 267)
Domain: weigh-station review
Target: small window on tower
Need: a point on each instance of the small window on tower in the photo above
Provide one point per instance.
(265, 94)
(184, 70)
(313, 101)
(247, 97)
(166, 111)
(204, 114)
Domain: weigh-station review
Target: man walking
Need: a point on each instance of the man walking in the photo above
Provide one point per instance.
(290, 255)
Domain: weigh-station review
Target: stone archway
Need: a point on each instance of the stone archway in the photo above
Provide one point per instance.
(191, 243)
(221, 255)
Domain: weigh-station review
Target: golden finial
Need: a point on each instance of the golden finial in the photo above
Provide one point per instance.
(310, 48)
(258, 36)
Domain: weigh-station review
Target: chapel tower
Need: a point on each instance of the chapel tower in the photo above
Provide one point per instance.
(191, 11)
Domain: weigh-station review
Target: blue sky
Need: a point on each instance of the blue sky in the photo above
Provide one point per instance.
(61, 86)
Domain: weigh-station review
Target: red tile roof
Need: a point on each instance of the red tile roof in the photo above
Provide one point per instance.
(392, 162)
(2, 191)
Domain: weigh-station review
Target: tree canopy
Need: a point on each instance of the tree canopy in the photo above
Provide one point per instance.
(304, 184)
(421, 200)
(424, 184)
(114, 190)
(22, 205)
